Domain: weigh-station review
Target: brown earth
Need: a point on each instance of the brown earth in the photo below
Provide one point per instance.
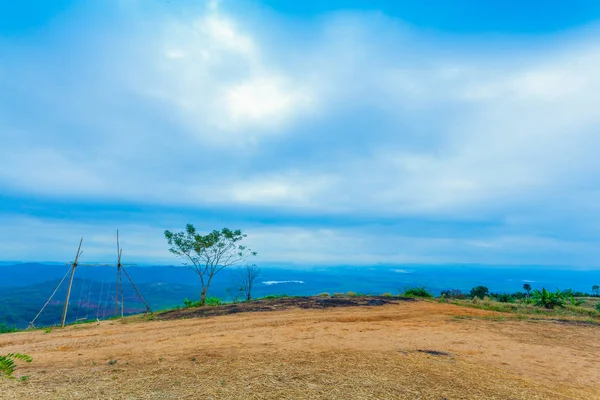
(398, 350)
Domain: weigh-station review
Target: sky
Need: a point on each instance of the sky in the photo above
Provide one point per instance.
(331, 132)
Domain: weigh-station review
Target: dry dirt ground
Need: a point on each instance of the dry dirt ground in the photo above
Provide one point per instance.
(399, 350)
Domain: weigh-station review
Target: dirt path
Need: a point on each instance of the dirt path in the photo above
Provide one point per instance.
(405, 350)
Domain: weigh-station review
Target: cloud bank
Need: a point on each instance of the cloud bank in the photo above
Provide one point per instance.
(348, 138)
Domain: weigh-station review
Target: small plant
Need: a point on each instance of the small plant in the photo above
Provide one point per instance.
(598, 307)
(417, 292)
(112, 362)
(351, 294)
(8, 365)
(47, 330)
(338, 295)
(548, 300)
(324, 295)
(387, 295)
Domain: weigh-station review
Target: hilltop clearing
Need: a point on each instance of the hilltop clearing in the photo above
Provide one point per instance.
(398, 350)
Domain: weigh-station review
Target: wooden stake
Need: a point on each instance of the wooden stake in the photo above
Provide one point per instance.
(73, 267)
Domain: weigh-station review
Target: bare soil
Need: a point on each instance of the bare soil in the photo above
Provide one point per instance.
(314, 349)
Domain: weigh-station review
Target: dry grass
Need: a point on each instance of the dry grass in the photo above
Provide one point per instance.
(349, 353)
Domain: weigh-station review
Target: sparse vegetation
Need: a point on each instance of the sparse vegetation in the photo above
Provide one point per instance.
(351, 294)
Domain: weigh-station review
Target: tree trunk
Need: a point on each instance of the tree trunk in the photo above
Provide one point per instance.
(203, 297)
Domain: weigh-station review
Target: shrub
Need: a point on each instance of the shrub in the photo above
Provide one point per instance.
(453, 294)
(351, 294)
(479, 291)
(417, 292)
(190, 303)
(504, 298)
(338, 295)
(324, 294)
(5, 328)
(387, 295)
(598, 307)
(547, 299)
(213, 301)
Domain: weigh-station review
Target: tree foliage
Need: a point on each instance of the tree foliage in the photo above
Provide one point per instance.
(527, 288)
(207, 255)
(596, 289)
(480, 291)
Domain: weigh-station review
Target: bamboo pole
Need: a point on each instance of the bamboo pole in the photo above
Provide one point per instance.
(73, 267)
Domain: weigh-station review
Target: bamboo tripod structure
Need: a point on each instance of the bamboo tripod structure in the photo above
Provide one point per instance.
(118, 286)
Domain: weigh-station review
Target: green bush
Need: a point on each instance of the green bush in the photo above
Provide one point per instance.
(338, 295)
(324, 294)
(387, 295)
(351, 294)
(417, 292)
(598, 307)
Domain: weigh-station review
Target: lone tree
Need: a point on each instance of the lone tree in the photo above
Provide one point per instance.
(527, 288)
(248, 275)
(596, 289)
(207, 255)
(480, 291)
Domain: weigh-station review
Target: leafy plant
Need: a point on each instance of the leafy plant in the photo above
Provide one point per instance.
(546, 299)
(568, 296)
(417, 292)
(351, 294)
(598, 307)
(324, 294)
(596, 289)
(8, 365)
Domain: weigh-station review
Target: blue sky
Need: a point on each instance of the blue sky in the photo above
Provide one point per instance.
(338, 132)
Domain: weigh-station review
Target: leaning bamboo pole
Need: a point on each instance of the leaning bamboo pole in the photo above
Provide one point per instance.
(73, 267)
